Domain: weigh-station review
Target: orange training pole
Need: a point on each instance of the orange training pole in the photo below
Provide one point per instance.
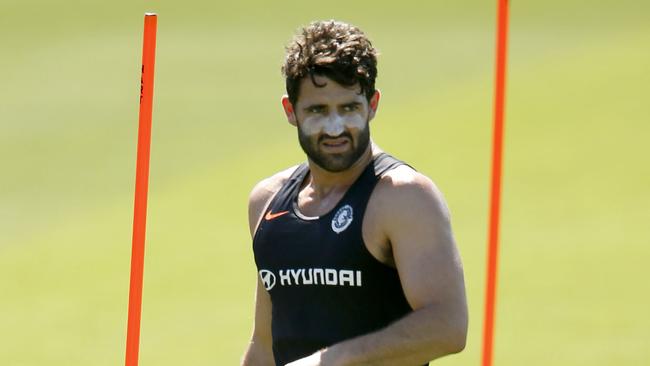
(495, 197)
(141, 188)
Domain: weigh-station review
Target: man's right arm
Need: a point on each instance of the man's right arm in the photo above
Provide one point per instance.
(260, 349)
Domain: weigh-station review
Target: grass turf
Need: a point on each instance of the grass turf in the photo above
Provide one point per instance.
(575, 211)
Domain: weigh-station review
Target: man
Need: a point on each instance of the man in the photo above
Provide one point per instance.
(356, 258)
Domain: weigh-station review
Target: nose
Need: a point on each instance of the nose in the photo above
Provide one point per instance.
(335, 125)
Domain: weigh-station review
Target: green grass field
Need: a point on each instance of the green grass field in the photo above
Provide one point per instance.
(575, 237)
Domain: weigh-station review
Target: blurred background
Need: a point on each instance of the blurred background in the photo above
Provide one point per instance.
(575, 237)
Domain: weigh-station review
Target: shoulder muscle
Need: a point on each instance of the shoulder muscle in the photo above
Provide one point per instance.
(406, 192)
(261, 196)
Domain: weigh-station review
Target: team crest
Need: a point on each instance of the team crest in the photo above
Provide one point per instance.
(342, 219)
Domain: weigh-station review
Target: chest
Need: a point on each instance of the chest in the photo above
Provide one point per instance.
(295, 240)
(348, 236)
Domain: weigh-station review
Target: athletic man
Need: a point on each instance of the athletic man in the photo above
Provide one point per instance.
(356, 258)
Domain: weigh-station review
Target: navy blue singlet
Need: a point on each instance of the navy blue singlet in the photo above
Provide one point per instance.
(325, 286)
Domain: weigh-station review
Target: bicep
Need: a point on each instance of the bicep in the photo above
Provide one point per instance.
(260, 349)
(424, 249)
(262, 327)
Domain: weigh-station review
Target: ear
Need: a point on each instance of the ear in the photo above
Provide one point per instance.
(288, 110)
(373, 104)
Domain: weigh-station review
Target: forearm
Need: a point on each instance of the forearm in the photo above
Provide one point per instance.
(257, 354)
(419, 337)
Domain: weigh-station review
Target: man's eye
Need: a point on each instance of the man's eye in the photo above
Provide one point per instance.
(351, 107)
(316, 109)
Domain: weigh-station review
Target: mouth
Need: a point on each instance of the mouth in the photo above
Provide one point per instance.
(336, 145)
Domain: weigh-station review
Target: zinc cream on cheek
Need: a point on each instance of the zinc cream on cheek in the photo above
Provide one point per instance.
(332, 125)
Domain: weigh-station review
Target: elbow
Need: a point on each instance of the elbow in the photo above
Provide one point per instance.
(449, 344)
(457, 339)
(457, 344)
(446, 343)
(453, 341)
(457, 333)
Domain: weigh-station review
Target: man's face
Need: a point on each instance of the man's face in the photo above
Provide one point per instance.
(333, 123)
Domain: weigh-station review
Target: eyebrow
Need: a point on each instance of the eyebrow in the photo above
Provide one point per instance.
(321, 105)
(351, 104)
(308, 107)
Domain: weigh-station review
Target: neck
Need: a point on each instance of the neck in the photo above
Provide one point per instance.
(324, 182)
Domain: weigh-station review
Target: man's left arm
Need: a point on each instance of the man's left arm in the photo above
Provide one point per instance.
(415, 219)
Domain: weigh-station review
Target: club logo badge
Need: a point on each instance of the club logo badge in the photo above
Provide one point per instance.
(342, 219)
(268, 279)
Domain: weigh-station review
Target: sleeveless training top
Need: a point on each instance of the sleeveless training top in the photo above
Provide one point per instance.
(325, 286)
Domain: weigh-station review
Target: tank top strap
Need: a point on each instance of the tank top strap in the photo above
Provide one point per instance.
(358, 194)
(385, 162)
(283, 200)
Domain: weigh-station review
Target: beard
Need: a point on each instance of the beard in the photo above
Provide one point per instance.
(335, 162)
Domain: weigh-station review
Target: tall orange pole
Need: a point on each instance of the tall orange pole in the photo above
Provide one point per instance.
(141, 189)
(495, 195)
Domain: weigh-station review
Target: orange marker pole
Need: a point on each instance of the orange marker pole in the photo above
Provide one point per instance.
(141, 188)
(495, 196)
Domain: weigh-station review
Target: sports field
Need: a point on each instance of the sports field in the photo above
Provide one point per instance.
(574, 284)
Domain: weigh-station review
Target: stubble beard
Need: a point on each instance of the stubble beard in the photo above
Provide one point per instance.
(336, 162)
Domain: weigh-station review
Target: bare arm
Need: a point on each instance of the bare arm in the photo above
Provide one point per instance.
(416, 222)
(260, 351)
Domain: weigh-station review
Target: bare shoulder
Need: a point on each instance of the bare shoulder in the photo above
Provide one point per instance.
(262, 194)
(403, 191)
(266, 188)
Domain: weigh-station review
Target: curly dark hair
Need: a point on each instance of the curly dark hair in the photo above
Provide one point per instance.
(336, 50)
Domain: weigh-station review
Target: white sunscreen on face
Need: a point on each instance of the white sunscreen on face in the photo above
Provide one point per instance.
(335, 125)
